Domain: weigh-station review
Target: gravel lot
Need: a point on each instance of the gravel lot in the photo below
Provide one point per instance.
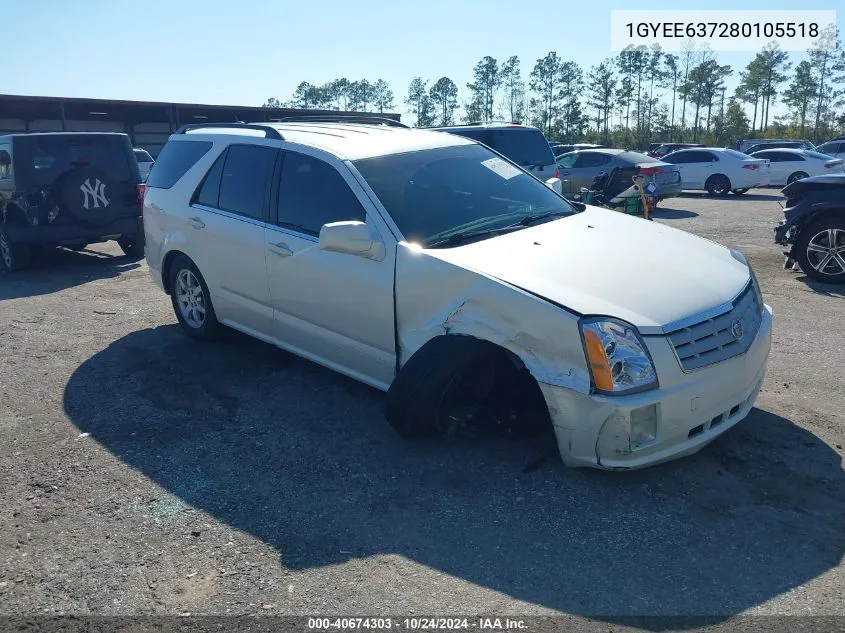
(144, 473)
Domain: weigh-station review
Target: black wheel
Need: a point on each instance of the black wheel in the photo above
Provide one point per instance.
(132, 245)
(739, 192)
(13, 256)
(798, 175)
(821, 250)
(718, 185)
(192, 301)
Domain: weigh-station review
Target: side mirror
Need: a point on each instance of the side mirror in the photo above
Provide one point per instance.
(352, 238)
(556, 185)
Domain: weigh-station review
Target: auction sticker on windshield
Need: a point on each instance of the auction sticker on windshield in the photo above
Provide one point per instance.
(500, 167)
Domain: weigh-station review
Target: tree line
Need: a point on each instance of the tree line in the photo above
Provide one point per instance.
(641, 95)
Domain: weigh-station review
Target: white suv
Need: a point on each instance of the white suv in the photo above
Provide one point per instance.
(430, 267)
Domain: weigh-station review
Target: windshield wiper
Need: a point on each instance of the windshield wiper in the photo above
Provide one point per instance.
(528, 220)
(468, 236)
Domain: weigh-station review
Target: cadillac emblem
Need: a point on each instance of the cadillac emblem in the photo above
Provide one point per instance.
(736, 329)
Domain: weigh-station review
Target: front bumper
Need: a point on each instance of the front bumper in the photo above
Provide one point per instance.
(692, 409)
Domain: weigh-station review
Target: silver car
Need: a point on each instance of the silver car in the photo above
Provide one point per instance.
(578, 169)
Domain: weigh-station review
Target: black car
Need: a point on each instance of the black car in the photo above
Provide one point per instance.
(68, 189)
(813, 227)
(524, 145)
(776, 145)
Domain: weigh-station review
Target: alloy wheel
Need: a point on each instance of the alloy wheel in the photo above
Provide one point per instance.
(191, 299)
(826, 252)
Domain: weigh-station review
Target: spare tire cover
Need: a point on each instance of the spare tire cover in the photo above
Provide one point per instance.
(88, 195)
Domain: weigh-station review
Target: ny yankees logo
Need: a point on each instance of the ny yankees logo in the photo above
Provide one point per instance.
(96, 194)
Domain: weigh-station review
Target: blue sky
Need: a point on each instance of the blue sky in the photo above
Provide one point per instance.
(227, 52)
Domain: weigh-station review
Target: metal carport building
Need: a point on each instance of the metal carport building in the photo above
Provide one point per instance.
(147, 123)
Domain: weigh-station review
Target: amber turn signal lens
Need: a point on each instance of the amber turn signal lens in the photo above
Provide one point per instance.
(597, 360)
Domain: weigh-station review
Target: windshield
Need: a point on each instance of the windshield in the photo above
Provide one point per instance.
(432, 194)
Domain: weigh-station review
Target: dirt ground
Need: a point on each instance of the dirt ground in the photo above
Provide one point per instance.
(144, 473)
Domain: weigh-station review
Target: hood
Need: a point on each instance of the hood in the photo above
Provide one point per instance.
(602, 262)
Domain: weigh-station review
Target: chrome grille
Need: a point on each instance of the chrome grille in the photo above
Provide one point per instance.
(713, 340)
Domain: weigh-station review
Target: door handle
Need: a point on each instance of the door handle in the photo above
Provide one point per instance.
(280, 248)
(196, 223)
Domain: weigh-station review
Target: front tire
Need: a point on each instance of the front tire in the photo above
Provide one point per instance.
(798, 175)
(192, 301)
(13, 257)
(821, 250)
(718, 185)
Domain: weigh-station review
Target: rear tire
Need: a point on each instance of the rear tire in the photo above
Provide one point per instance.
(813, 248)
(192, 301)
(718, 185)
(798, 175)
(13, 257)
(132, 245)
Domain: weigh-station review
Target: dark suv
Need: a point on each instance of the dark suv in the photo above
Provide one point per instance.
(524, 145)
(813, 227)
(68, 189)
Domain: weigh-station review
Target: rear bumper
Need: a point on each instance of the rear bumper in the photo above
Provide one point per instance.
(73, 233)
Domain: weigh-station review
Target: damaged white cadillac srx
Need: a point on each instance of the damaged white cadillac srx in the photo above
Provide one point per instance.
(432, 268)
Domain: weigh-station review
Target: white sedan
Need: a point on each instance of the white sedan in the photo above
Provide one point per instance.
(788, 165)
(718, 170)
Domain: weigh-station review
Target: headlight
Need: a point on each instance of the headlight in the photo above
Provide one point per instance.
(618, 359)
(754, 283)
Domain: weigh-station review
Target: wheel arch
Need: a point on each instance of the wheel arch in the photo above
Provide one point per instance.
(462, 352)
(166, 263)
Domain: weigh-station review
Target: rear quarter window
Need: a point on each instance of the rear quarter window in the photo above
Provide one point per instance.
(175, 159)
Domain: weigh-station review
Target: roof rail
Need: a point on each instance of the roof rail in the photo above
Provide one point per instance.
(269, 131)
(344, 118)
(488, 122)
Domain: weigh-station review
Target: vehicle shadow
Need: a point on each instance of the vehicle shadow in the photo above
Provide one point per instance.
(759, 195)
(54, 269)
(667, 213)
(828, 290)
(302, 458)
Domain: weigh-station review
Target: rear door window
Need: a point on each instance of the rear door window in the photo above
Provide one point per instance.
(245, 182)
(52, 155)
(209, 191)
(175, 159)
(592, 159)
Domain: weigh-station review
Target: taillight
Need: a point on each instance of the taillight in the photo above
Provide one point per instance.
(831, 164)
(141, 190)
(751, 166)
(650, 171)
(557, 172)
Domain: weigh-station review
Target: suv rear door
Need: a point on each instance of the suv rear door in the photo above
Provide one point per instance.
(226, 222)
(92, 178)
